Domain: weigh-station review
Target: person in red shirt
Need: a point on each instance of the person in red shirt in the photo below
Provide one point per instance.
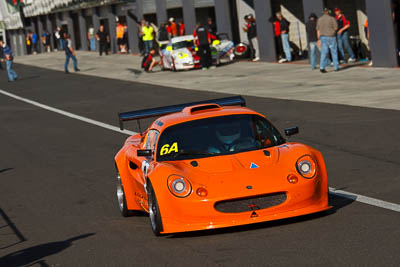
(343, 35)
(149, 61)
(181, 27)
(173, 27)
(278, 39)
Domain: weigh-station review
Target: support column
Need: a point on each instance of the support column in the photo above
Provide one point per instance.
(96, 24)
(49, 27)
(70, 26)
(112, 28)
(265, 32)
(58, 19)
(189, 15)
(14, 42)
(133, 38)
(20, 41)
(24, 48)
(222, 14)
(382, 36)
(312, 6)
(161, 9)
(40, 32)
(139, 9)
(83, 30)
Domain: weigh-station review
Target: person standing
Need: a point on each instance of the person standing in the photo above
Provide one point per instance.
(203, 41)
(343, 35)
(148, 37)
(92, 39)
(28, 40)
(251, 29)
(311, 29)
(58, 38)
(47, 43)
(69, 53)
(103, 39)
(278, 39)
(9, 58)
(285, 37)
(181, 28)
(326, 32)
(120, 37)
(34, 42)
(173, 27)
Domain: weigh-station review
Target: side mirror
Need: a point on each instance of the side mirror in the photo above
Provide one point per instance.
(144, 153)
(291, 131)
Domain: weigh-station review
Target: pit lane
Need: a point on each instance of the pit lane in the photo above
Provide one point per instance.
(58, 188)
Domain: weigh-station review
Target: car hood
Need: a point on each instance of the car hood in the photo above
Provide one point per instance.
(256, 169)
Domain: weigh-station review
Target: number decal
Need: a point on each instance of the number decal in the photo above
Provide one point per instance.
(174, 148)
(167, 149)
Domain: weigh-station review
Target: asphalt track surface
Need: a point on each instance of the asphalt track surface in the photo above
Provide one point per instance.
(57, 183)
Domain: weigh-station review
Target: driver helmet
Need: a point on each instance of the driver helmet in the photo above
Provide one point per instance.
(228, 133)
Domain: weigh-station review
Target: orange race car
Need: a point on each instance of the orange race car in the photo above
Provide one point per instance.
(215, 164)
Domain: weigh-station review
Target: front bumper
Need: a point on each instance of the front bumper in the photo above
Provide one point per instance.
(193, 214)
(172, 225)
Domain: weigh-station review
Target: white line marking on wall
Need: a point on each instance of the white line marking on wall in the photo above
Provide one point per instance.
(356, 197)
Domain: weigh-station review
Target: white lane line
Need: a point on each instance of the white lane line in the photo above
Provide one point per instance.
(68, 114)
(334, 191)
(366, 200)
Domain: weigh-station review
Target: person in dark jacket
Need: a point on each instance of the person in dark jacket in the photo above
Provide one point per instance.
(311, 29)
(251, 29)
(285, 37)
(103, 38)
(202, 37)
(9, 58)
(69, 53)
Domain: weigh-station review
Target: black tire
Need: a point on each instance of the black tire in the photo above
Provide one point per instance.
(123, 208)
(154, 210)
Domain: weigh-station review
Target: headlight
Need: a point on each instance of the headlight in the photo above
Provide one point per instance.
(179, 186)
(182, 55)
(306, 166)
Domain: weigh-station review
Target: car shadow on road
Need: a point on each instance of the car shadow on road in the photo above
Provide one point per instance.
(337, 202)
(37, 253)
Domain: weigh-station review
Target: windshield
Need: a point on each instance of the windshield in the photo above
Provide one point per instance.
(217, 136)
(182, 44)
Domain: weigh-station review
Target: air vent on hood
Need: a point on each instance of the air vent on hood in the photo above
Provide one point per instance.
(204, 108)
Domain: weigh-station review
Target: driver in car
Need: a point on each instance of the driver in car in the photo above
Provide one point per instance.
(230, 139)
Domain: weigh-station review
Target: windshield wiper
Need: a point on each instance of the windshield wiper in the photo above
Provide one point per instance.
(192, 152)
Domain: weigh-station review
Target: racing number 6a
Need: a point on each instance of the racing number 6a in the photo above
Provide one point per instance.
(166, 149)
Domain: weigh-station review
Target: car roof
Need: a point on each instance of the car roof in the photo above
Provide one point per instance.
(197, 112)
(182, 38)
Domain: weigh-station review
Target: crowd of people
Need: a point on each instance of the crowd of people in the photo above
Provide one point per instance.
(329, 35)
(155, 38)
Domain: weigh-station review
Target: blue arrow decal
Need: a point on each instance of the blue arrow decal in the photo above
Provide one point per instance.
(253, 166)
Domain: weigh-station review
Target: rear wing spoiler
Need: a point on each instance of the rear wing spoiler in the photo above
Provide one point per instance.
(157, 112)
